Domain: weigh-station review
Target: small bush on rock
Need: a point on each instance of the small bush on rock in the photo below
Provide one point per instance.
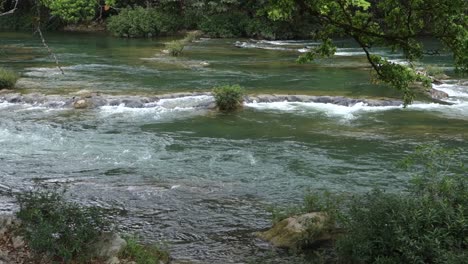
(228, 97)
(8, 78)
(175, 47)
(60, 229)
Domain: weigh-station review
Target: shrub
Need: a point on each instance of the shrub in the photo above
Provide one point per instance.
(175, 47)
(226, 25)
(228, 97)
(143, 254)
(143, 22)
(436, 72)
(192, 35)
(62, 230)
(426, 225)
(137, 22)
(8, 78)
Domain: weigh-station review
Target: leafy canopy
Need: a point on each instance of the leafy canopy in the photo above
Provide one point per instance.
(74, 10)
(397, 24)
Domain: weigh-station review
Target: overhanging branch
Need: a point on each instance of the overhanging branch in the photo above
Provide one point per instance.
(11, 11)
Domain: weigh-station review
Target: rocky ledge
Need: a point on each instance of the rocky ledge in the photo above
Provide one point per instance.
(90, 100)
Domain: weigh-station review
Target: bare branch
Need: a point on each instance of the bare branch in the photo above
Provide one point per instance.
(39, 31)
(11, 11)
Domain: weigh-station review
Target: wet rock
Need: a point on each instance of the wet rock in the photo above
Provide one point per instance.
(437, 94)
(266, 98)
(291, 232)
(81, 104)
(133, 103)
(109, 245)
(115, 102)
(98, 101)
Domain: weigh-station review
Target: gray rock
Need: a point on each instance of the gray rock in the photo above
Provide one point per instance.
(113, 260)
(437, 94)
(109, 245)
(132, 103)
(17, 242)
(291, 232)
(81, 104)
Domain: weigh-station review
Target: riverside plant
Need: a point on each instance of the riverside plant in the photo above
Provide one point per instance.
(8, 78)
(62, 230)
(176, 47)
(425, 224)
(142, 254)
(228, 97)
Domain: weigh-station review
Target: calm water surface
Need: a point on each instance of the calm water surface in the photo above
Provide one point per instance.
(197, 179)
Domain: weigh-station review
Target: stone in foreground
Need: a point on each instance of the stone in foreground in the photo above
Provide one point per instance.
(295, 232)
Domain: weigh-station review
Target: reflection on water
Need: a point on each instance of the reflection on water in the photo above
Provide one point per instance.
(198, 179)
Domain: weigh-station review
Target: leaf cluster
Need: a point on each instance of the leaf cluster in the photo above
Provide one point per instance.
(398, 25)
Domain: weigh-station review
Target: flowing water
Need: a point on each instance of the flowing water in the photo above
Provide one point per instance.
(200, 180)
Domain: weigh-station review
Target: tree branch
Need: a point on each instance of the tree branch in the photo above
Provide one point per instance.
(11, 11)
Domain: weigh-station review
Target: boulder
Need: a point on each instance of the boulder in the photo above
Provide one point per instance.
(298, 231)
(437, 94)
(81, 104)
(17, 242)
(109, 245)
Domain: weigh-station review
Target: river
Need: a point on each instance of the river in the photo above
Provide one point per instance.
(200, 180)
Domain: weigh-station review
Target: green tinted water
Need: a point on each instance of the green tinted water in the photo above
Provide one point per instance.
(198, 179)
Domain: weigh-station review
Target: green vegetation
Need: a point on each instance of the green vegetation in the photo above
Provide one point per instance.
(394, 24)
(228, 97)
(8, 78)
(142, 22)
(62, 230)
(435, 72)
(176, 47)
(143, 254)
(426, 224)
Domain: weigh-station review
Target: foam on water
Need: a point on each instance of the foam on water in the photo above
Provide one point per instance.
(333, 110)
(459, 110)
(453, 90)
(162, 108)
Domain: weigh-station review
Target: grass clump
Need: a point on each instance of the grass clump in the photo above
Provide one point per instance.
(8, 78)
(176, 47)
(436, 72)
(62, 230)
(143, 254)
(228, 97)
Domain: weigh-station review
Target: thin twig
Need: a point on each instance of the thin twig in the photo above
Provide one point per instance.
(38, 30)
(44, 43)
(11, 11)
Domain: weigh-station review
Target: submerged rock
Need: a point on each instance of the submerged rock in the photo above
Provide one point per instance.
(298, 231)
